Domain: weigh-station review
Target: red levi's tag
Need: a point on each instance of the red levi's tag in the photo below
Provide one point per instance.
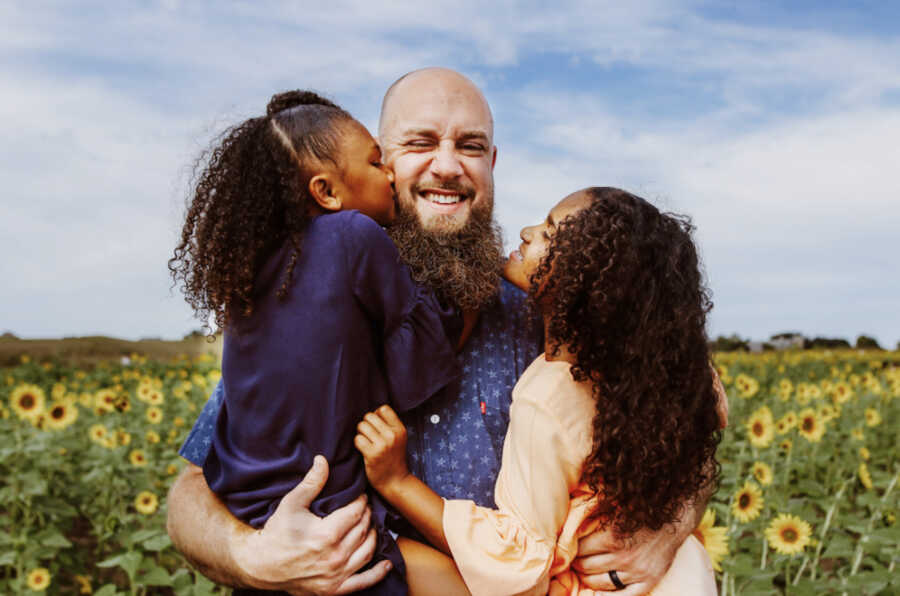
(483, 408)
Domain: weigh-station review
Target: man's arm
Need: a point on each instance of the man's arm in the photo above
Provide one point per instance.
(295, 551)
(640, 561)
(643, 560)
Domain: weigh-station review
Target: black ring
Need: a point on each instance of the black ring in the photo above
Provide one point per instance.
(614, 578)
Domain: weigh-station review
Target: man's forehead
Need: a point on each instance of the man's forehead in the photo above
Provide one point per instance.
(435, 99)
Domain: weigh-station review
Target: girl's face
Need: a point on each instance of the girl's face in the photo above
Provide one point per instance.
(364, 182)
(536, 240)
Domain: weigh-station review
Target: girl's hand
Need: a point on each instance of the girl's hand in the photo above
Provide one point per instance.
(382, 442)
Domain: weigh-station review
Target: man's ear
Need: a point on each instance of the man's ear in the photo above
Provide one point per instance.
(321, 188)
(494, 158)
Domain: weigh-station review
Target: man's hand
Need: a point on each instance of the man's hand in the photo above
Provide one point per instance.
(296, 551)
(382, 442)
(640, 561)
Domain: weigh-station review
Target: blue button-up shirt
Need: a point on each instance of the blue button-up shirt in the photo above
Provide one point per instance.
(456, 437)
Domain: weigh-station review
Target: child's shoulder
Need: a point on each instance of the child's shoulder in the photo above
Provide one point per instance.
(350, 220)
(356, 236)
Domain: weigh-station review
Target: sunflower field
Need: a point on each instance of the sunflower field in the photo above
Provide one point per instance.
(807, 502)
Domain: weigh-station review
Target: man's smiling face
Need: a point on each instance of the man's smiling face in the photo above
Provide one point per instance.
(436, 133)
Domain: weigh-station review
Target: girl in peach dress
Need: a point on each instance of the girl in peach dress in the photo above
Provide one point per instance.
(615, 425)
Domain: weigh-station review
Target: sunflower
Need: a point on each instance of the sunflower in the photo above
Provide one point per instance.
(873, 417)
(827, 412)
(763, 473)
(811, 427)
(123, 403)
(146, 502)
(788, 534)
(865, 478)
(84, 584)
(760, 428)
(172, 469)
(713, 539)
(842, 392)
(137, 458)
(61, 415)
(152, 436)
(747, 503)
(156, 397)
(38, 579)
(746, 385)
(864, 453)
(27, 401)
(857, 434)
(98, 433)
(104, 401)
(154, 415)
(144, 390)
(123, 438)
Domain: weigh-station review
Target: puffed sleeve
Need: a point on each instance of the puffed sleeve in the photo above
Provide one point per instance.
(196, 446)
(511, 550)
(419, 358)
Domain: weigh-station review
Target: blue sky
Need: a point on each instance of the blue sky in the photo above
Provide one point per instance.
(774, 125)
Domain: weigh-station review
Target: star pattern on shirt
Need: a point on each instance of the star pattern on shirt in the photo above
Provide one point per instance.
(453, 447)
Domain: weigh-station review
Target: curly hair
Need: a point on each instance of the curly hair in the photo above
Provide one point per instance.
(622, 290)
(250, 196)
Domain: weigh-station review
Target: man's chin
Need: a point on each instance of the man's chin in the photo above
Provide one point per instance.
(443, 218)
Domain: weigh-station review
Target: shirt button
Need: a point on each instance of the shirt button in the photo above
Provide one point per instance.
(435, 418)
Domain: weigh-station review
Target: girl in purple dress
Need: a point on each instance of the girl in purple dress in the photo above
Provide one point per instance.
(283, 246)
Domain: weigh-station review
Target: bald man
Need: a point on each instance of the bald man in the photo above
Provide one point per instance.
(436, 133)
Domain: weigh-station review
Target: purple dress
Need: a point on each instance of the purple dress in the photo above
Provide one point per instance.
(354, 333)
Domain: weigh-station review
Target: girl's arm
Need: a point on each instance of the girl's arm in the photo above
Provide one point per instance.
(382, 441)
(508, 550)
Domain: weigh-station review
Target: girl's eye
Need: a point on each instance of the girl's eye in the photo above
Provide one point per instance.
(546, 235)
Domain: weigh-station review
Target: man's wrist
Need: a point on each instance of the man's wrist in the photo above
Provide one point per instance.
(241, 549)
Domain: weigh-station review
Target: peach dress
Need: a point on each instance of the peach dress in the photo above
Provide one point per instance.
(527, 544)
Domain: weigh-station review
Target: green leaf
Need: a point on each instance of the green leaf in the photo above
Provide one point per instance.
(56, 539)
(128, 561)
(146, 534)
(157, 543)
(8, 558)
(202, 586)
(107, 590)
(154, 575)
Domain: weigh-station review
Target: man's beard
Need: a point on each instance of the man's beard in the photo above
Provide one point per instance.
(462, 267)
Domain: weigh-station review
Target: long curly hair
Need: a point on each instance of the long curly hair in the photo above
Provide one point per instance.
(622, 290)
(249, 196)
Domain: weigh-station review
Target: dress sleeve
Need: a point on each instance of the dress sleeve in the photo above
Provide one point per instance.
(511, 550)
(196, 446)
(418, 334)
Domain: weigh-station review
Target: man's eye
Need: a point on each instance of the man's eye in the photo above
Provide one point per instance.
(419, 143)
(473, 147)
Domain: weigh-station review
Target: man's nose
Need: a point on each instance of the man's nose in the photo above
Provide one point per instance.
(446, 163)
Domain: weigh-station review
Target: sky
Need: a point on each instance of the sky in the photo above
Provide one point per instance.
(773, 125)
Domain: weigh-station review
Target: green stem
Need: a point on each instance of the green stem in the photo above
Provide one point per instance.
(800, 571)
(857, 559)
(765, 550)
(828, 517)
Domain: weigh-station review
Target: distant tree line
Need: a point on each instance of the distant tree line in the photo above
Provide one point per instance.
(791, 339)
